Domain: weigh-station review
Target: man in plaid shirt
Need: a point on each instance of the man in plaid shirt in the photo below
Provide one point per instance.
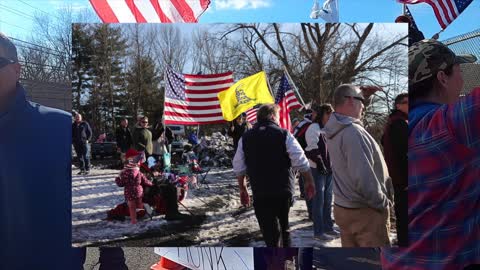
(444, 165)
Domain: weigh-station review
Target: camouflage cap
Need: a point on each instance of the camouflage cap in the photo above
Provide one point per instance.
(429, 56)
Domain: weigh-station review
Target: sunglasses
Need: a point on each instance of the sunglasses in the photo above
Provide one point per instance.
(5, 62)
(357, 98)
(145, 122)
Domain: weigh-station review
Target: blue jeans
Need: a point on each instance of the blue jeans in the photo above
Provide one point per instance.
(83, 154)
(322, 203)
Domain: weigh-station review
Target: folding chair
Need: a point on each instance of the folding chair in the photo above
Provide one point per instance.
(201, 176)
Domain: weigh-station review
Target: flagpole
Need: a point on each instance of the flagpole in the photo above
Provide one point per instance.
(164, 96)
(293, 84)
(404, 9)
(268, 83)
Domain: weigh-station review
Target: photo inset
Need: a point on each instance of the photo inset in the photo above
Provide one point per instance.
(246, 135)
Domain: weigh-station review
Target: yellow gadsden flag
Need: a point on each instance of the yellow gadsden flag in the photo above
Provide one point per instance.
(244, 94)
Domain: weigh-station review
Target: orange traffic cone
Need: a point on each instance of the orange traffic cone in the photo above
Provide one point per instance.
(166, 264)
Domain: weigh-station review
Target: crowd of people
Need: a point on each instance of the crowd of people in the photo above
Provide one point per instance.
(442, 185)
(335, 157)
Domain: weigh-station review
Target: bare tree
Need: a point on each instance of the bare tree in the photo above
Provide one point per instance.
(170, 46)
(320, 57)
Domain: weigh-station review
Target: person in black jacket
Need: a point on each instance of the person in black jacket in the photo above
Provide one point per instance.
(81, 135)
(394, 141)
(269, 155)
(123, 138)
(414, 34)
(237, 128)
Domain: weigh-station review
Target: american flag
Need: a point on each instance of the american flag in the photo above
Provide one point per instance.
(149, 11)
(252, 115)
(192, 99)
(446, 11)
(286, 99)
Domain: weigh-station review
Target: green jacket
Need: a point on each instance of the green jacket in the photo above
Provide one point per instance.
(142, 140)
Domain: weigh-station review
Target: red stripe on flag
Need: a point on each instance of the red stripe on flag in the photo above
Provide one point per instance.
(252, 115)
(209, 83)
(186, 123)
(158, 9)
(452, 9)
(437, 14)
(104, 11)
(191, 107)
(202, 99)
(184, 10)
(204, 3)
(169, 113)
(186, 112)
(214, 91)
(207, 76)
(136, 13)
(443, 6)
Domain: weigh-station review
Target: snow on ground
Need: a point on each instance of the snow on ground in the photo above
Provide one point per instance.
(224, 225)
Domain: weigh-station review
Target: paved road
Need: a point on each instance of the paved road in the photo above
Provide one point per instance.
(140, 258)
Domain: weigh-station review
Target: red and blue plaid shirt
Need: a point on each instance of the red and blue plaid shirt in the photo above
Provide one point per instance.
(443, 188)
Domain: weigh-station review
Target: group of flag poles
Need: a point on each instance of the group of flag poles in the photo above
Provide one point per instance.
(214, 98)
(174, 11)
(208, 99)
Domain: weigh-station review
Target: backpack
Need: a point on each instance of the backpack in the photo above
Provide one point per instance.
(300, 135)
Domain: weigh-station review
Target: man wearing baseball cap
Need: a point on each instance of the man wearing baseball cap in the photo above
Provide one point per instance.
(444, 164)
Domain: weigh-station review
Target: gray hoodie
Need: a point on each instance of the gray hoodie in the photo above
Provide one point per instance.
(359, 170)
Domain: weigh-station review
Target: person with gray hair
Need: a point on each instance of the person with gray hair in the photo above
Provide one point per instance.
(362, 186)
(268, 154)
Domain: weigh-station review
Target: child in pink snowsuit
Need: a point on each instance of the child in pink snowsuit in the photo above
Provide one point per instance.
(132, 180)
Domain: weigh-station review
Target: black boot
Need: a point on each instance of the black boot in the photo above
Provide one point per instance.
(169, 192)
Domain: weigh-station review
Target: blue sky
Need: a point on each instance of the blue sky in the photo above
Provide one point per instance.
(16, 21)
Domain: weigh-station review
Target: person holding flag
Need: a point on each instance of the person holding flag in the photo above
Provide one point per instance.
(443, 168)
(414, 34)
(237, 128)
(245, 94)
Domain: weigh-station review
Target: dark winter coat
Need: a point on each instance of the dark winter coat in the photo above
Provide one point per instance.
(142, 140)
(236, 134)
(319, 153)
(132, 180)
(123, 138)
(268, 162)
(158, 130)
(81, 133)
(395, 145)
(414, 35)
